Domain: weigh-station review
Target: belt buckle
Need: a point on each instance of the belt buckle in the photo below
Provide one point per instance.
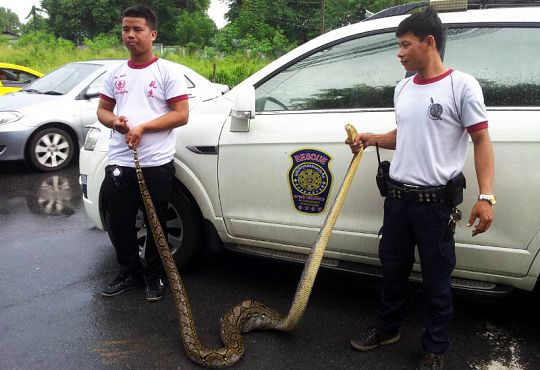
(408, 187)
(412, 192)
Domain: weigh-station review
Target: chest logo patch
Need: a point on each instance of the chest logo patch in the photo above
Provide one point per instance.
(435, 110)
(120, 87)
(310, 180)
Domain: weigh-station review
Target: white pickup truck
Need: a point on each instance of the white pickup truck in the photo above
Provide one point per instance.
(258, 167)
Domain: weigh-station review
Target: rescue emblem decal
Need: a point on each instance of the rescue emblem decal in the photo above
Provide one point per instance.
(310, 180)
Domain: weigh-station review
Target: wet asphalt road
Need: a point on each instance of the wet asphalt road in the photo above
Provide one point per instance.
(53, 263)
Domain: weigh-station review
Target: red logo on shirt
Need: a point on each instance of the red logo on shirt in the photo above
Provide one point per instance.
(152, 86)
(120, 86)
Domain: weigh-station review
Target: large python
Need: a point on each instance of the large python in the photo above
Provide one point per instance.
(249, 315)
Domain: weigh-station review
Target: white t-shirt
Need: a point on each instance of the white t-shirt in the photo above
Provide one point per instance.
(433, 119)
(143, 92)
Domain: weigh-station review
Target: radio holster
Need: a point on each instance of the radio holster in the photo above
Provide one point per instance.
(454, 190)
(382, 174)
(454, 197)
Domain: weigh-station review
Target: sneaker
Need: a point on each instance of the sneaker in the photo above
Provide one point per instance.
(431, 361)
(120, 284)
(373, 338)
(154, 288)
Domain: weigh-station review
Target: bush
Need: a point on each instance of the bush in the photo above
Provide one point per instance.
(43, 52)
(43, 40)
(230, 69)
(102, 41)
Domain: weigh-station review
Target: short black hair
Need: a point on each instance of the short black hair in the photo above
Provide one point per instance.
(423, 24)
(142, 11)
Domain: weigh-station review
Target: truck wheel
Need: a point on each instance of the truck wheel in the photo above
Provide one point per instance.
(184, 227)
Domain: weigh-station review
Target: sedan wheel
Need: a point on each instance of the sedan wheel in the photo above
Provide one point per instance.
(51, 149)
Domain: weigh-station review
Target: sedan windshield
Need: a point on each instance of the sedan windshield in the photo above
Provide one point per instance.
(63, 79)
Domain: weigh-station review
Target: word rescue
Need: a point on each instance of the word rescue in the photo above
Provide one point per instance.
(312, 157)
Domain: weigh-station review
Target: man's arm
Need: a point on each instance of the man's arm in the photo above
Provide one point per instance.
(176, 117)
(385, 141)
(105, 115)
(485, 167)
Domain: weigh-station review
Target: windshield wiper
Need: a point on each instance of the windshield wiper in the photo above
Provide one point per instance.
(32, 91)
(52, 92)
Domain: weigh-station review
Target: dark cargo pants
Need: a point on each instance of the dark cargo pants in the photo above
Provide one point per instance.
(123, 199)
(405, 225)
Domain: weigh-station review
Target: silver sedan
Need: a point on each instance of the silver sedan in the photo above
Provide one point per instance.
(46, 123)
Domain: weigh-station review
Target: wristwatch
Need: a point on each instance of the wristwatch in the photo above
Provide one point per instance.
(488, 197)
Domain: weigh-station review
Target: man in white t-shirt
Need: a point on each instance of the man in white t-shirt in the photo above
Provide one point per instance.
(142, 102)
(437, 110)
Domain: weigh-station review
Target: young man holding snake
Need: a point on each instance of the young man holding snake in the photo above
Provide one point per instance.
(142, 101)
(436, 110)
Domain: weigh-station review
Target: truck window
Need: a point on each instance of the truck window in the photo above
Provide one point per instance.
(505, 60)
(357, 73)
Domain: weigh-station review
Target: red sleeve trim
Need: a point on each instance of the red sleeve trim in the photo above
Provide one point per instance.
(477, 127)
(177, 99)
(105, 97)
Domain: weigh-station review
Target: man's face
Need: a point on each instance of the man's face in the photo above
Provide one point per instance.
(413, 51)
(137, 36)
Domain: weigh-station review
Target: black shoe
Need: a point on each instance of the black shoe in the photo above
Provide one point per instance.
(431, 361)
(120, 284)
(373, 338)
(154, 288)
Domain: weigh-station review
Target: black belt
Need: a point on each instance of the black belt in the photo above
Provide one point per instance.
(415, 193)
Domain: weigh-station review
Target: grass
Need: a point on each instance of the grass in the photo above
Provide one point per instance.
(229, 70)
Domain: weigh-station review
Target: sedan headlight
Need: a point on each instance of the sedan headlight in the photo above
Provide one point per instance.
(92, 138)
(8, 117)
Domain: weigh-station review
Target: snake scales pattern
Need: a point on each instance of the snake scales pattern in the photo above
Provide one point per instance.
(249, 315)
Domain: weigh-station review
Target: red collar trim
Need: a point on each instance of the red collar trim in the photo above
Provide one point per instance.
(131, 64)
(424, 81)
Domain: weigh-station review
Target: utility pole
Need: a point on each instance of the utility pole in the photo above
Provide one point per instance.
(322, 16)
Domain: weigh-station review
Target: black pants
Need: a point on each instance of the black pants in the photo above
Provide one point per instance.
(407, 224)
(123, 197)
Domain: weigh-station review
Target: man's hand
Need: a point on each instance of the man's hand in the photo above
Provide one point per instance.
(133, 137)
(120, 124)
(362, 140)
(484, 212)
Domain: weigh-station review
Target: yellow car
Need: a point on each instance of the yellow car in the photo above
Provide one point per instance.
(14, 77)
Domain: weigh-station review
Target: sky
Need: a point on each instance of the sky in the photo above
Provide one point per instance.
(22, 8)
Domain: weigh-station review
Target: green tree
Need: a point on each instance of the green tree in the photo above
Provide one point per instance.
(35, 21)
(252, 30)
(195, 28)
(76, 20)
(9, 21)
(302, 20)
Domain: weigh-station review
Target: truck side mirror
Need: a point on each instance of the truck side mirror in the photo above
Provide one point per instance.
(243, 109)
